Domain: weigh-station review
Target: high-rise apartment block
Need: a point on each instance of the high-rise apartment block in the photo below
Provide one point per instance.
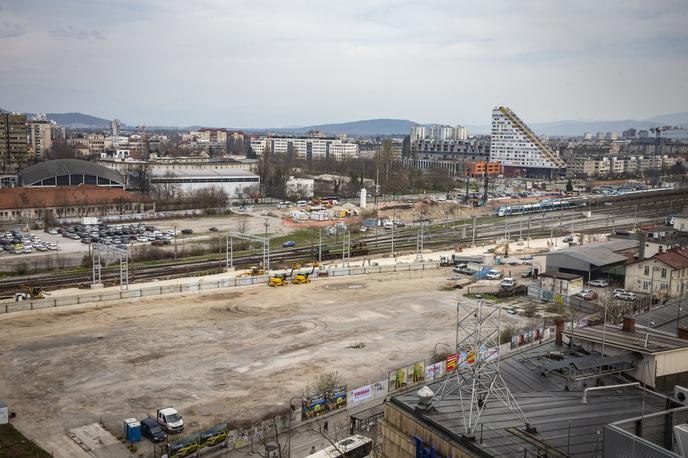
(437, 132)
(39, 136)
(14, 152)
(306, 148)
(518, 149)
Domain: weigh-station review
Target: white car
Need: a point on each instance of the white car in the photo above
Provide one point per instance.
(599, 282)
(493, 275)
(141, 238)
(52, 246)
(625, 296)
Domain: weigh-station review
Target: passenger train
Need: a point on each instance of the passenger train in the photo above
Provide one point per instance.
(563, 203)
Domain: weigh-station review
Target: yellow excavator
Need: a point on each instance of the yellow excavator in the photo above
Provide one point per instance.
(278, 281)
(253, 271)
(301, 279)
(29, 292)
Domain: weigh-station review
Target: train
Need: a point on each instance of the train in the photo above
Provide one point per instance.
(566, 202)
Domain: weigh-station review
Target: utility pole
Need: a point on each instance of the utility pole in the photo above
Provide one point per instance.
(473, 241)
(320, 244)
(394, 218)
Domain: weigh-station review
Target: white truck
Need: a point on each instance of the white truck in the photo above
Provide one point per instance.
(170, 420)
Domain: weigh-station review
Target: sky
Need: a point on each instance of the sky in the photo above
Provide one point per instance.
(279, 63)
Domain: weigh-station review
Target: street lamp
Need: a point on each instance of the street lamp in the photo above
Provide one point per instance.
(291, 410)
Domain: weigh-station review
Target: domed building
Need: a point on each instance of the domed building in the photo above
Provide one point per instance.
(69, 172)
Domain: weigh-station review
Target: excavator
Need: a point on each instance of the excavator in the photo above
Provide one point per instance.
(253, 271)
(303, 278)
(278, 280)
(29, 292)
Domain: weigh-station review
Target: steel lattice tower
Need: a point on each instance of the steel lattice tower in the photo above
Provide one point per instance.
(478, 380)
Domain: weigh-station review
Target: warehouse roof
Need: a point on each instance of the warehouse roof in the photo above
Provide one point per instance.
(202, 173)
(20, 198)
(599, 254)
(562, 420)
(561, 275)
(59, 167)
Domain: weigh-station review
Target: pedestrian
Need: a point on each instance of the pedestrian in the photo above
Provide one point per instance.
(312, 450)
(325, 426)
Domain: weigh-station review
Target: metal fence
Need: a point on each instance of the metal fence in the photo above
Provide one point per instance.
(201, 285)
(655, 438)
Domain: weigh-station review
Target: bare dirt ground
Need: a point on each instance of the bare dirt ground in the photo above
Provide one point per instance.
(221, 355)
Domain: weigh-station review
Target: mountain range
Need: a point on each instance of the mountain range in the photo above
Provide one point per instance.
(388, 127)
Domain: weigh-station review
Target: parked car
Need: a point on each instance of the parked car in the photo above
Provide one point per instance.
(212, 229)
(152, 430)
(567, 239)
(588, 294)
(508, 283)
(187, 231)
(494, 275)
(167, 242)
(599, 283)
(157, 243)
(288, 244)
(527, 274)
(625, 296)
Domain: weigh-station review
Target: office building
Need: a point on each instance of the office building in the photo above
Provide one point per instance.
(14, 152)
(115, 126)
(630, 133)
(519, 150)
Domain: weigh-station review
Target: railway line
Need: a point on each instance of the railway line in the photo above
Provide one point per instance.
(450, 233)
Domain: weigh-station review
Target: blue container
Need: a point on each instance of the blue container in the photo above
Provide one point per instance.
(132, 430)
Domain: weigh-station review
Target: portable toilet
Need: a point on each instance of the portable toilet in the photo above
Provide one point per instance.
(4, 413)
(132, 430)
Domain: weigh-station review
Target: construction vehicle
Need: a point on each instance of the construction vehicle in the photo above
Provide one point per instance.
(278, 281)
(29, 292)
(253, 271)
(303, 277)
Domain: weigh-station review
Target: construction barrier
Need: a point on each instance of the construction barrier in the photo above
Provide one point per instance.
(200, 285)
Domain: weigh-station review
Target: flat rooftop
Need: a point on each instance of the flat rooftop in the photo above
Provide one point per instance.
(642, 340)
(562, 420)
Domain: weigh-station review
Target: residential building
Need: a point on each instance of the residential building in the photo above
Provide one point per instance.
(643, 133)
(663, 275)
(115, 125)
(39, 136)
(97, 144)
(72, 202)
(518, 149)
(306, 147)
(14, 152)
(630, 133)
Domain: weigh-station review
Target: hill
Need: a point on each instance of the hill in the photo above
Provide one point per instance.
(368, 127)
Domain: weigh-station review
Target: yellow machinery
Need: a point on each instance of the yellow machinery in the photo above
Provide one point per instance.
(301, 279)
(254, 271)
(278, 281)
(29, 292)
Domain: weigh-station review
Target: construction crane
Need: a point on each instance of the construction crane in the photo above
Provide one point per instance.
(658, 134)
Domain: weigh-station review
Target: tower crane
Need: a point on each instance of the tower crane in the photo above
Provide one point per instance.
(658, 134)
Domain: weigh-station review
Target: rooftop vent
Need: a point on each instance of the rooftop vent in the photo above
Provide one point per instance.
(425, 396)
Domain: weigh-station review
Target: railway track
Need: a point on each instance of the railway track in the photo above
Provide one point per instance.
(644, 210)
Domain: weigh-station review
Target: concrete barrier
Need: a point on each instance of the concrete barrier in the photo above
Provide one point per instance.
(201, 285)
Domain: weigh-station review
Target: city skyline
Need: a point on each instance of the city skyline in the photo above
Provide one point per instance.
(266, 64)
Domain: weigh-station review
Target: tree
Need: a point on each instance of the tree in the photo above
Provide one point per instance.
(569, 186)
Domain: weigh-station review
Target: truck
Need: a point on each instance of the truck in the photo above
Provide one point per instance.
(170, 420)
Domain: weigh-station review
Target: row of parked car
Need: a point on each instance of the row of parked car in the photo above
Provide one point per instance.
(18, 242)
(119, 235)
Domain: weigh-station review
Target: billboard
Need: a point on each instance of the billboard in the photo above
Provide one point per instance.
(215, 435)
(434, 371)
(336, 399)
(527, 337)
(313, 406)
(359, 395)
(404, 376)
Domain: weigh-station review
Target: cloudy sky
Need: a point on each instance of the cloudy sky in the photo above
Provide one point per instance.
(273, 63)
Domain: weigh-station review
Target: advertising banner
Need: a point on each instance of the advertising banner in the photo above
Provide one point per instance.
(452, 362)
(359, 395)
(313, 406)
(434, 371)
(397, 379)
(336, 399)
(527, 337)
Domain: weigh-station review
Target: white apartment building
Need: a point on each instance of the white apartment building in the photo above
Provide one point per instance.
(517, 147)
(39, 136)
(438, 132)
(306, 148)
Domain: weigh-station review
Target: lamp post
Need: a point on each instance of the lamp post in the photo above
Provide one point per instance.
(291, 409)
